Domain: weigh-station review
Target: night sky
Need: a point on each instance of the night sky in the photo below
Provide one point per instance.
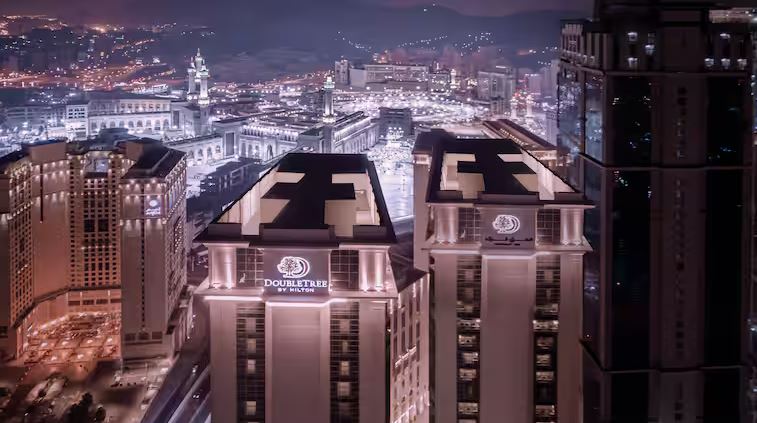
(161, 10)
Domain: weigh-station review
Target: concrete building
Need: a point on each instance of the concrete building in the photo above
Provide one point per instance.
(349, 134)
(654, 132)
(497, 83)
(342, 72)
(299, 291)
(549, 79)
(534, 83)
(156, 315)
(142, 115)
(229, 179)
(33, 117)
(501, 238)
(538, 147)
(374, 76)
(64, 249)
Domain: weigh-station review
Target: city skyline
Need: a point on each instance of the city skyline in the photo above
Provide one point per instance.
(381, 211)
(120, 10)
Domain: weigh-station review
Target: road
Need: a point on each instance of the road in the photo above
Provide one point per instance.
(181, 378)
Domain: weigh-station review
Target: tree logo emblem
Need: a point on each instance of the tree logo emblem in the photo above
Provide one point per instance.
(293, 267)
(506, 224)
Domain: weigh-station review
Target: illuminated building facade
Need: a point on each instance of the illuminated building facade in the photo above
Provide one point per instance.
(654, 102)
(141, 115)
(33, 116)
(63, 241)
(197, 81)
(191, 118)
(353, 133)
(501, 238)
(378, 76)
(328, 100)
(299, 291)
(156, 312)
(342, 72)
(497, 83)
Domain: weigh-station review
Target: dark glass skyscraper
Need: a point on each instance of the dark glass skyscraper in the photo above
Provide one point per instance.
(654, 127)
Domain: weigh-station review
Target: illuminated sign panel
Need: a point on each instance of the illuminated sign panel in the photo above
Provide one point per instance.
(153, 207)
(508, 229)
(506, 224)
(287, 272)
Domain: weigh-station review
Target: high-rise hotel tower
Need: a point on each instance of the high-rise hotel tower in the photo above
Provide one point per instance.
(94, 226)
(655, 128)
(501, 238)
(299, 291)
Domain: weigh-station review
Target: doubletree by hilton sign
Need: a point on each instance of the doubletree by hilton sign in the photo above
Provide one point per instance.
(295, 273)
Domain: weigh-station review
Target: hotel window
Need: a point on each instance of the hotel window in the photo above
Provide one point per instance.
(250, 367)
(344, 368)
(469, 408)
(545, 411)
(469, 224)
(469, 324)
(467, 375)
(548, 227)
(544, 360)
(545, 342)
(466, 340)
(250, 408)
(546, 325)
(345, 269)
(470, 358)
(545, 376)
(344, 409)
(344, 326)
(252, 346)
(343, 389)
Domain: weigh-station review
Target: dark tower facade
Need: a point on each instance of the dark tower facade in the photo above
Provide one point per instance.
(654, 127)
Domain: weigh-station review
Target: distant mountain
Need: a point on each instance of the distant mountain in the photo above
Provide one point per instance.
(253, 25)
(308, 33)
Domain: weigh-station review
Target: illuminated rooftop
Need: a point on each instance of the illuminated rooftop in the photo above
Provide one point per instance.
(312, 199)
(489, 171)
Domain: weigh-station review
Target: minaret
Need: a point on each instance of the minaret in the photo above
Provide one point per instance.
(529, 107)
(191, 76)
(202, 78)
(328, 100)
(328, 116)
(513, 108)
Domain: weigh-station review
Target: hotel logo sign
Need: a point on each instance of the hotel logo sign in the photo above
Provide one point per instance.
(506, 224)
(294, 267)
(512, 228)
(294, 275)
